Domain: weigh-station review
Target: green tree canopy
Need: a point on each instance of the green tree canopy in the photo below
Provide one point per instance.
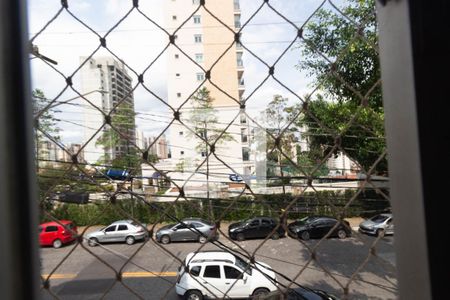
(121, 134)
(349, 85)
(204, 121)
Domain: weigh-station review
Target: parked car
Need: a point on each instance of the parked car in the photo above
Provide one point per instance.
(213, 274)
(318, 227)
(127, 231)
(259, 227)
(58, 233)
(377, 225)
(191, 229)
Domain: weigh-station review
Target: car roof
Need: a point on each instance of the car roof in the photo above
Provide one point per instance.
(53, 223)
(122, 221)
(195, 219)
(195, 257)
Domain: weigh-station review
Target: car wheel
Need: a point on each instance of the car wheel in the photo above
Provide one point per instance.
(240, 237)
(305, 235)
(259, 292)
(165, 239)
(275, 236)
(93, 242)
(202, 239)
(380, 232)
(193, 295)
(341, 234)
(129, 240)
(57, 243)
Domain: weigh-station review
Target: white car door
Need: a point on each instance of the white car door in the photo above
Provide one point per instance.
(236, 282)
(213, 281)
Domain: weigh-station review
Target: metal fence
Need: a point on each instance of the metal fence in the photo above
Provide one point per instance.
(340, 115)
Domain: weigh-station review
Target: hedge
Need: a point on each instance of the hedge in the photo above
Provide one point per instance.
(329, 203)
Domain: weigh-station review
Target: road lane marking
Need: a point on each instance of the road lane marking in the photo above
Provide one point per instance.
(149, 274)
(59, 276)
(124, 275)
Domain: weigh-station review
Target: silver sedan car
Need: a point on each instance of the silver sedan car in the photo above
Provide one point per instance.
(192, 229)
(127, 231)
(377, 225)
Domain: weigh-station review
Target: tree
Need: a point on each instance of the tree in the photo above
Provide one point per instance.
(204, 122)
(45, 121)
(276, 118)
(356, 67)
(203, 118)
(119, 135)
(279, 115)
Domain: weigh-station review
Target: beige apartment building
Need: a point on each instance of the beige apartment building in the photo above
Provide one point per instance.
(205, 46)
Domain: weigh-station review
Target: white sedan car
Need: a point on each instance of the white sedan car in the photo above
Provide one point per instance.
(222, 275)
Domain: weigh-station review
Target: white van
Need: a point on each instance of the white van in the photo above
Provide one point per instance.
(219, 274)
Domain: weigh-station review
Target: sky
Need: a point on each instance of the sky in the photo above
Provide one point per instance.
(138, 42)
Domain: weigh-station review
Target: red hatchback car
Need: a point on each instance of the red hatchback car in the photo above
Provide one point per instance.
(54, 234)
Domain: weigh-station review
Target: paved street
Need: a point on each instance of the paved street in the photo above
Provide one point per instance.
(149, 269)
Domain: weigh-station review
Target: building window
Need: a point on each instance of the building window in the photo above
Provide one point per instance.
(180, 133)
(203, 153)
(245, 154)
(197, 38)
(181, 152)
(243, 135)
(177, 56)
(178, 95)
(243, 119)
(199, 57)
(237, 21)
(174, 18)
(239, 60)
(177, 74)
(196, 2)
(200, 76)
(197, 19)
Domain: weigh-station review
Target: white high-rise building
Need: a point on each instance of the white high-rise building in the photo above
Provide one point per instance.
(110, 76)
(207, 50)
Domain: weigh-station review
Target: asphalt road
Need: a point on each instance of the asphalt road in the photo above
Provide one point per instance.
(149, 269)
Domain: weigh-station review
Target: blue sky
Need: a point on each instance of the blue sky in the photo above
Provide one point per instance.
(138, 42)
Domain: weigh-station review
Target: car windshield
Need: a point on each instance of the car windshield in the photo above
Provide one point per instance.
(135, 224)
(207, 222)
(306, 220)
(379, 218)
(243, 265)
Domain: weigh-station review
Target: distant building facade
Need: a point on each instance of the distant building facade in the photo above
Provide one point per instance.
(52, 155)
(110, 76)
(202, 39)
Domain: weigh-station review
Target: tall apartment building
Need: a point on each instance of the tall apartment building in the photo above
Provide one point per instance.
(108, 75)
(211, 45)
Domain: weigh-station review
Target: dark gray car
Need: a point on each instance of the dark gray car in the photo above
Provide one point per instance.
(191, 229)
